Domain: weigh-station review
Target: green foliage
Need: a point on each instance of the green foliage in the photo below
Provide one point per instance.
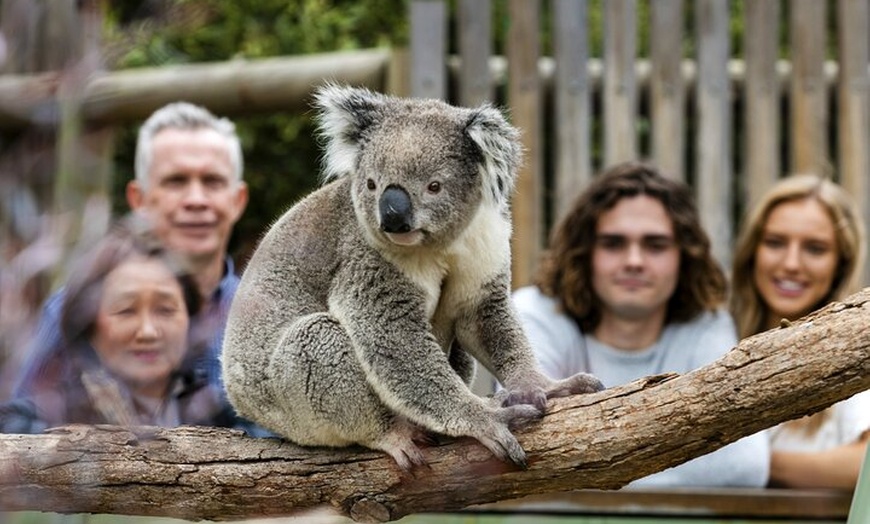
(281, 156)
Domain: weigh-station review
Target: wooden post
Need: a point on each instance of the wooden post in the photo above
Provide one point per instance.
(525, 99)
(620, 85)
(853, 118)
(761, 123)
(667, 88)
(573, 101)
(713, 176)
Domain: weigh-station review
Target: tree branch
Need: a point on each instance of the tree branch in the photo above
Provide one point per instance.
(603, 440)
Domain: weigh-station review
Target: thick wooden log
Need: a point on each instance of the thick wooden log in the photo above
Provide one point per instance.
(603, 440)
(233, 88)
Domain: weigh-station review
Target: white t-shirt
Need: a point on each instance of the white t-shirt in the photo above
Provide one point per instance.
(847, 421)
(563, 350)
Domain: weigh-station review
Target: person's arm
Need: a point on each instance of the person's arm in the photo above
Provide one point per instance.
(20, 417)
(742, 464)
(44, 345)
(833, 468)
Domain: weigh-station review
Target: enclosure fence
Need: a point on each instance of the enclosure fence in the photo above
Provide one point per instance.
(791, 98)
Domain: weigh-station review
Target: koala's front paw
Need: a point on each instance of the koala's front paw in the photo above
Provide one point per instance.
(574, 385)
(498, 438)
(533, 396)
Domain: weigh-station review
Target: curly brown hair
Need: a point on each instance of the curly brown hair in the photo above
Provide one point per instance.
(565, 272)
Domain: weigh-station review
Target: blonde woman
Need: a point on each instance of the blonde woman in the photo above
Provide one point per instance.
(802, 246)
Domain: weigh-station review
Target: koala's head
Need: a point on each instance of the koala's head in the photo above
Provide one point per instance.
(420, 169)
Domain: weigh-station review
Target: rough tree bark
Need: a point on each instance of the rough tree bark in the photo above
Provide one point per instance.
(603, 440)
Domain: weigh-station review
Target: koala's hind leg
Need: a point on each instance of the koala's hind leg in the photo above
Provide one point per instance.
(342, 408)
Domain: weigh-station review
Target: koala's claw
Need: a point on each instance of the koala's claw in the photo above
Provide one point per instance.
(505, 447)
(398, 442)
(407, 457)
(574, 385)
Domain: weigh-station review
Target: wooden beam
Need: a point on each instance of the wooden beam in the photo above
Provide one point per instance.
(233, 88)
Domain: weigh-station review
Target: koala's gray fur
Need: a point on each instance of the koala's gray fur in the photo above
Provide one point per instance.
(354, 314)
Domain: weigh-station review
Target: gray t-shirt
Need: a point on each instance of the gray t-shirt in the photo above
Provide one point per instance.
(563, 350)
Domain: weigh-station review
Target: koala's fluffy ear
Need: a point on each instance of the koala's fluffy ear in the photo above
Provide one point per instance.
(343, 114)
(499, 144)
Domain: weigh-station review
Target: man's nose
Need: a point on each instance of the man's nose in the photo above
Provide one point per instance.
(634, 254)
(195, 194)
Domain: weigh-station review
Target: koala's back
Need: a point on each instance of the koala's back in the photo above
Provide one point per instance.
(288, 276)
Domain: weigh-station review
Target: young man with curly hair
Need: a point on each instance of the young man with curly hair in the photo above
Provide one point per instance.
(629, 288)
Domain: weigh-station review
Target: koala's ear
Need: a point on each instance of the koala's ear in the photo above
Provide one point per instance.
(343, 114)
(499, 144)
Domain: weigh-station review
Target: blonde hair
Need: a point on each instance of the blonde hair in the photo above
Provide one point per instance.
(747, 306)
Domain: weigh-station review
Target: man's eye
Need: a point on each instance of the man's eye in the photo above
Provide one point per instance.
(174, 182)
(657, 247)
(611, 243)
(215, 182)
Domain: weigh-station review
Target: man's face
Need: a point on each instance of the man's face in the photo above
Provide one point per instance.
(192, 197)
(635, 261)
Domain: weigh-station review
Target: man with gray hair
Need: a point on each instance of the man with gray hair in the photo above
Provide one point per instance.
(188, 184)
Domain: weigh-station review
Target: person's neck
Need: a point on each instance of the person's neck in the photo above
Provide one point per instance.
(207, 273)
(629, 334)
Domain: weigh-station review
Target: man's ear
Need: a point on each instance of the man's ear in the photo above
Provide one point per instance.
(241, 200)
(134, 195)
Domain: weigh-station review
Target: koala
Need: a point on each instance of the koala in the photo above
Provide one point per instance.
(357, 317)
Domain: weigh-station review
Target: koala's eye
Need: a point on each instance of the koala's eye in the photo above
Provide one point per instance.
(434, 187)
(370, 184)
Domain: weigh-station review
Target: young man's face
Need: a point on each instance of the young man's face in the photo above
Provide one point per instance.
(192, 196)
(636, 260)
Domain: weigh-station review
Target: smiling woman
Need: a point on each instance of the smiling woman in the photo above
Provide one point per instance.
(125, 324)
(800, 248)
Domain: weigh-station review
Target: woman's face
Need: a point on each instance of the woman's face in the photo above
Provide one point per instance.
(140, 333)
(796, 259)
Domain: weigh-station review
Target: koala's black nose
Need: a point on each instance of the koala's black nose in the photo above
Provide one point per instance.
(395, 209)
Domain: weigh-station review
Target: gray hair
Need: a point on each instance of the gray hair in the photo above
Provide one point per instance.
(187, 116)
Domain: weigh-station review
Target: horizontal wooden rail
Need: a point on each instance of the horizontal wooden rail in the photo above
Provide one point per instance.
(744, 503)
(498, 66)
(232, 88)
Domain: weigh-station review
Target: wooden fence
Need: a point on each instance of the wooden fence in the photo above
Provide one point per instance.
(794, 100)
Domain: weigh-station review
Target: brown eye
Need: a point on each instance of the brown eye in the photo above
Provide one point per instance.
(370, 184)
(434, 187)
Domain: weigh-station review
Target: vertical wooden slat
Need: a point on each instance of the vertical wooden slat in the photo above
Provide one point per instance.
(762, 97)
(620, 86)
(475, 87)
(853, 119)
(713, 174)
(809, 122)
(475, 37)
(428, 49)
(572, 95)
(667, 89)
(525, 100)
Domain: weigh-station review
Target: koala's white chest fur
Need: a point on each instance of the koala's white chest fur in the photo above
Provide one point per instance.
(459, 274)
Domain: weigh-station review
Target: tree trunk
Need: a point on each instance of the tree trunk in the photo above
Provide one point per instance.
(602, 440)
